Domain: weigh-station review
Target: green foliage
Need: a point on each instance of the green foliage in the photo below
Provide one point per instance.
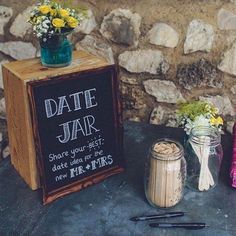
(198, 113)
(65, 3)
(194, 109)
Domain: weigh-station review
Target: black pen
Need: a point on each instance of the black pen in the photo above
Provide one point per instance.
(179, 225)
(159, 216)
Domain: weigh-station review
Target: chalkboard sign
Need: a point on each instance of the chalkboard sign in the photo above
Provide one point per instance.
(77, 129)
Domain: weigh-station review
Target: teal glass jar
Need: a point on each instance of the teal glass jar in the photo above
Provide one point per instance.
(56, 50)
(203, 153)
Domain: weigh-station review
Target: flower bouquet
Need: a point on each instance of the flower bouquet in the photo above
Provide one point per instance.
(198, 113)
(52, 22)
(202, 124)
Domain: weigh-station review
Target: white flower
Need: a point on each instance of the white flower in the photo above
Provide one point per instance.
(201, 121)
(188, 127)
(46, 2)
(45, 25)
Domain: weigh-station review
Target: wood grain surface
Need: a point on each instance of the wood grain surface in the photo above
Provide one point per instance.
(32, 69)
(16, 76)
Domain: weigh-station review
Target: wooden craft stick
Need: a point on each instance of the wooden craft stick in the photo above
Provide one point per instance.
(202, 152)
(165, 185)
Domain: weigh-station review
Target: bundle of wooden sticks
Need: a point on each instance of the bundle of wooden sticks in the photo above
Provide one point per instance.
(202, 152)
(165, 182)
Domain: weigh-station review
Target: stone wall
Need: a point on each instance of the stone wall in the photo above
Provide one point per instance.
(167, 50)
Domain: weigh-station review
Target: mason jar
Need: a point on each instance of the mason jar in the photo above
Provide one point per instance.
(56, 50)
(203, 152)
(165, 172)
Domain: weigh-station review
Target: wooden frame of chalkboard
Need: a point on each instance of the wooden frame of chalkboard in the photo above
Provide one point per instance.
(78, 131)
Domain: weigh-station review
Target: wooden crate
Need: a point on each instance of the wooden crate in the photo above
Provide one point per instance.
(16, 75)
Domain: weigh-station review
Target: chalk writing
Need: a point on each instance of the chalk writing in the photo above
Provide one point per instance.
(56, 108)
(77, 129)
(77, 161)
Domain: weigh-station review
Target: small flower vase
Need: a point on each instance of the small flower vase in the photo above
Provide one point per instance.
(203, 153)
(56, 50)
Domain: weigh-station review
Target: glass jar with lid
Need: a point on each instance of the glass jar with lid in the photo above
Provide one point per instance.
(165, 173)
(203, 152)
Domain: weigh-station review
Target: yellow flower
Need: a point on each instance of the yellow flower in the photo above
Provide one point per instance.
(213, 120)
(216, 121)
(58, 23)
(44, 9)
(72, 22)
(53, 12)
(64, 13)
(219, 120)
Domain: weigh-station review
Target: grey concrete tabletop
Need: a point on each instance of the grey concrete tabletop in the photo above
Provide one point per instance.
(105, 208)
